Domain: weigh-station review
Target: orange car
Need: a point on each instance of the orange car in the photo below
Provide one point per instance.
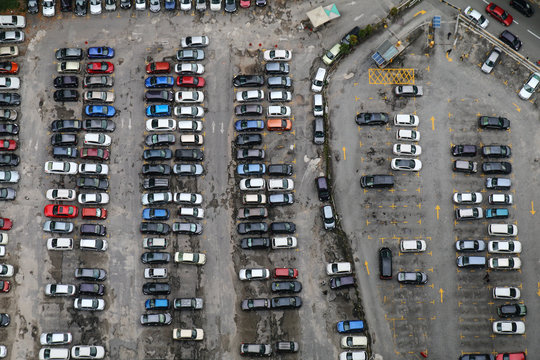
(9, 67)
(94, 213)
(278, 124)
(160, 67)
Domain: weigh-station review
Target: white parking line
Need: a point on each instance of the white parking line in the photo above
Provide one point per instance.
(516, 22)
(358, 17)
(487, 2)
(533, 34)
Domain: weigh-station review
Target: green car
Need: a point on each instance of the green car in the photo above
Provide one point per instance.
(332, 54)
(512, 310)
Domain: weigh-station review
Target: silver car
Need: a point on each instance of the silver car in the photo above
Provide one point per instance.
(491, 60)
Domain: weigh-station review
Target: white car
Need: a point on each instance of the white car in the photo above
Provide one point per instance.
(408, 135)
(9, 83)
(468, 198)
(188, 334)
(506, 293)
(512, 263)
(278, 111)
(89, 304)
(156, 198)
(188, 111)
(530, 86)
(155, 273)
(11, 177)
(279, 96)
(254, 274)
(87, 352)
(48, 8)
(190, 125)
(110, 5)
(407, 149)
(140, 4)
(339, 268)
(412, 245)
(161, 125)
(197, 212)
(501, 199)
(61, 194)
(93, 244)
(60, 290)
(280, 184)
(188, 198)
(491, 60)
(215, 5)
(406, 164)
(9, 51)
(155, 5)
(252, 184)
(509, 327)
(194, 41)
(94, 169)
(97, 139)
(48, 353)
(95, 7)
(406, 120)
(6, 270)
(185, 5)
(190, 258)
(476, 17)
(189, 96)
(504, 247)
(353, 355)
(189, 69)
(277, 55)
(351, 342)
(286, 242)
(2, 251)
(95, 198)
(4, 239)
(61, 167)
(59, 244)
(55, 338)
(249, 95)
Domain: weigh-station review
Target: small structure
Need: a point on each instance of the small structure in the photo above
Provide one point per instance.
(322, 15)
(386, 52)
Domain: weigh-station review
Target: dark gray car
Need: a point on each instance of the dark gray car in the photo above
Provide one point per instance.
(279, 82)
(69, 54)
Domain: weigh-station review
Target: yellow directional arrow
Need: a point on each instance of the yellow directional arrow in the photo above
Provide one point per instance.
(532, 208)
(538, 292)
(367, 268)
(517, 107)
(441, 291)
(437, 208)
(344, 154)
(420, 12)
(432, 123)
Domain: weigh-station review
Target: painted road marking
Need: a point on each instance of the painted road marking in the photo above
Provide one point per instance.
(533, 34)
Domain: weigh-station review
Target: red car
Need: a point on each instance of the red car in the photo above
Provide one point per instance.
(61, 211)
(285, 273)
(5, 224)
(245, 3)
(9, 67)
(99, 67)
(190, 81)
(8, 145)
(499, 14)
(160, 67)
(5, 286)
(95, 154)
(94, 213)
(511, 356)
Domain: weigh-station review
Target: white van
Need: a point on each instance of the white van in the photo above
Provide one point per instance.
(318, 81)
(68, 67)
(93, 244)
(190, 125)
(287, 242)
(318, 105)
(469, 213)
(502, 230)
(191, 139)
(412, 246)
(501, 199)
(254, 199)
(53, 353)
(12, 21)
(354, 342)
(155, 243)
(60, 244)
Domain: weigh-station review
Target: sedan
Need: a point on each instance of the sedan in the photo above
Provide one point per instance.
(249, 125)
(9, 36)
(277, 55)
(251, 169)
(194, 41)
(254, 274)
(255, 243)
(160, 140)
(92, 183)
(87, 352)
(504, 247)
(530, 86)
(9, 129)
(10, 99)
(99, 67)
(248, 81)
(406, 164)
(509, 327)
(496, 151)
(187, 228)
(190, 55)
(286, 286)
(69, 54)
(414, 278)
(255, 304)
(250, 154)
(9, 160)
(249, 95)
(156, 319)
(7, 194)
(93, 199)
(9, 177)
(159, 96)
(157, 154)
(283, 227)
(493, 122)
(156, 198)
(153, 82)
(98, 81)
(95, 154)
(55, 338)
(155, 258)
(61, 211)
(496, 167)
(189, 154)
(8, 115)
(188, 111)
(188, 169)
(491, 60)
(407, 149)
(66, 81)
(468, 198)
(61, 167)
(476, 17)
(159, 67)
(154, 228)
(189, 69)
(286, 302)
(408, 90)
(100, 52)
(372, 119)
(499, 14)
(252, 228)
(89, 304)
(97, 139)
(9, 83)
(66, 126)
(190, 258)
(512, 310)
(9, 67)
(155, 214)
(248, 139)
(58, 227)
(99, 110)
(513, 263)
(99, 96)
(190, 81)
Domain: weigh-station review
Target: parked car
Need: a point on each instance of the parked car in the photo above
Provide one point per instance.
(530, 86)
(414, 278)
(409, 90)
(470, 245)
(476, 17)
(499, 14)
(491, 60)
(510, 39)
(377, 118)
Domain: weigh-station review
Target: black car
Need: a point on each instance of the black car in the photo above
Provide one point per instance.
(512, 310)
(125, 4)
(523, 7)
(510, 39)
(156, 184)
(496, 167)
(377, 181)
(4, 319)
(92, 289)
(98, 125)
(189, 154)
(249, 139)
(61, 152)
(286, 286)
(66, 5)
(385, 263)
(157, 154)
(496, 151)
(156, 288)
(372, 119)
(252, 228)
(157, 169)
(154, 228)
(248, 110)
(66, 125)
(81, 7)
(91, 274)
(93, 229)
(250, 154)
(341, 281)
(9, 129)
(280, 169)
(66, 95)
(64, 139)
(32, 7)
(283, 227)
(155, 257)
(159, 96)
(248, 80)
(346, 40)
(280, 199)
(255, 243)
(69, 54)
(10, 99)
(464, 150)
(493, 122)
(255, 304)
(92, 183)
(286, 302)
(9, 160)
(230, 6)
(66, 81)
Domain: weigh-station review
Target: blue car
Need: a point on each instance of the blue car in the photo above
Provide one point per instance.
(154, 82)
(249, 125)
(350, 326)
(156, 304)
(155, 214)
(170, 4)
(497, 213)
(158, 110)
(100, 52)
(251, 169)
(99, 110)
